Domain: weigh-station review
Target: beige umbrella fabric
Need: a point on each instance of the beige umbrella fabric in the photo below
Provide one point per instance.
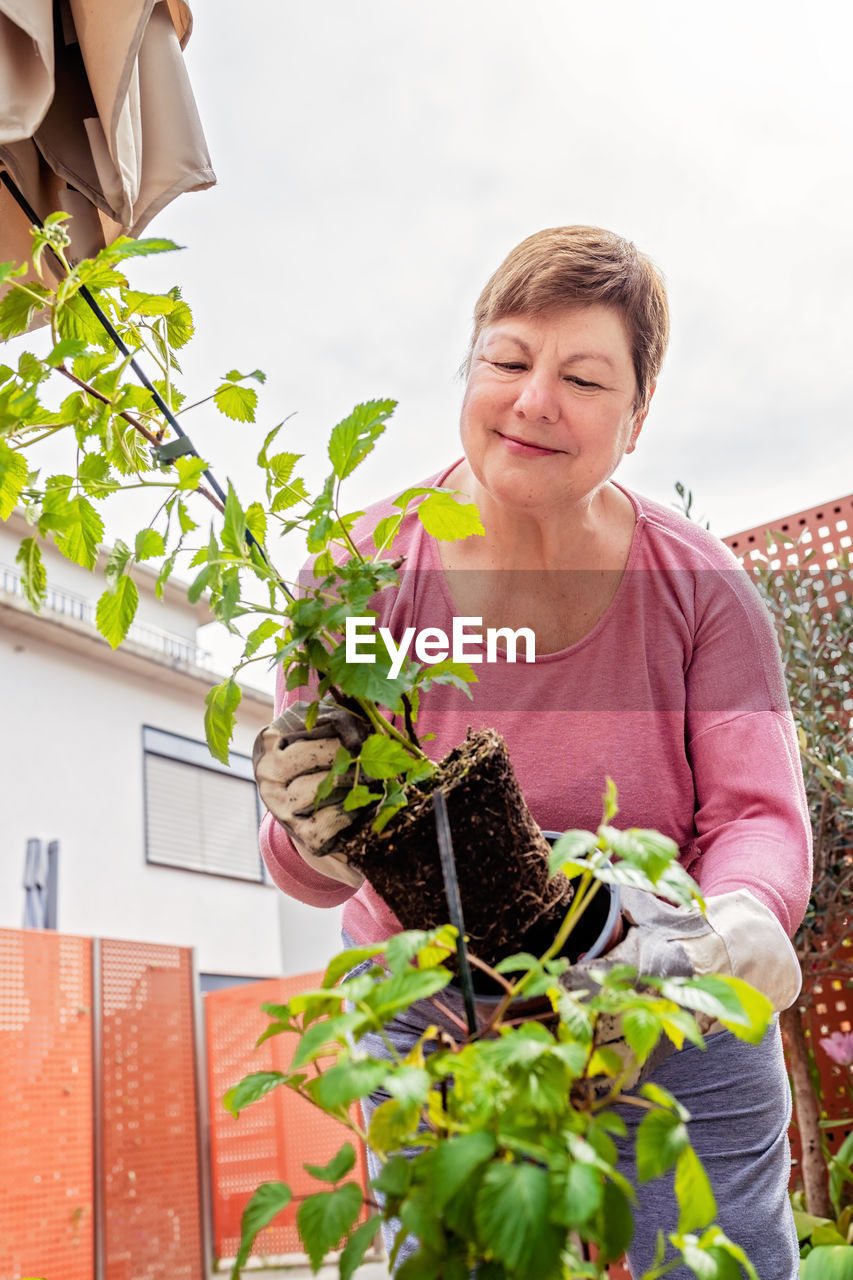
(97, 116)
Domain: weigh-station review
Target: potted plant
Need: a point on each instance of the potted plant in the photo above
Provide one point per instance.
(509, 1164)
(518, 1165)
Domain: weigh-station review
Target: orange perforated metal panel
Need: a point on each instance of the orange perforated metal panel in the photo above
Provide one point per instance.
(273, 1138)
(826, 531)
(152, 1207)
(46, 1226)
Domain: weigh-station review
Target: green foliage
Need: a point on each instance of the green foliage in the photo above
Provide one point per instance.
(120, 440)
(508, 1134)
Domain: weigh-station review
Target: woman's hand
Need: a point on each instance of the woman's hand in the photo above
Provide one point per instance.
(290, 762)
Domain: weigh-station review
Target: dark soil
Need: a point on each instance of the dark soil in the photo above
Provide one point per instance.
(508, 902)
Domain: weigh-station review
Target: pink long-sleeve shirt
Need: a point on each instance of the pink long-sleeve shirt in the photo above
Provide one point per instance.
(677, 694)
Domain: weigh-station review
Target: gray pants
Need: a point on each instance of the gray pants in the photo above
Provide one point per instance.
(740, 1106)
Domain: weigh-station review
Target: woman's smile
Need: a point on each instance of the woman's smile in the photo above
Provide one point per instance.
(527, 448)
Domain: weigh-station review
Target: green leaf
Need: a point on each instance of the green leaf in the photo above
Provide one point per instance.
(67, 349)
(696, 1203)
(281, 465)
(234, 527)
(584, 1190)
(190, 471)
(641, 1030)
(18, 308)
(328, 1031)
(347, 960)
(75, 320)
(451, 1165)
(396, 993)
(147, 304)
(741, 1009)
(346, 1082)
(234, 375)
(117, 562)
(447, 518)
(661, 1138)
(325, 1218)
(269, 1200)
(125, 247)
(81, 537)
(256, 521)
(263, 632)
(186, 521)
(94, 475)
(221, 706)
(250, 1089)
(116, 610)
(179, 322)
(382, 757)
(356, 1247)
(33, 575)
(828, 1262)
(512, 1215)
(353, 438)
(149, 543)
(409, 1085)
(165, 574)
(337, 1168)
(13, 478)
(571, 847)
(357, 797)
(385, 531)
(289, 496)
(615, 1222)
(236, 402)
(10, 269)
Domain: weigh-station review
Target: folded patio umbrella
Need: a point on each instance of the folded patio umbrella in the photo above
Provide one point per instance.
(97, 117)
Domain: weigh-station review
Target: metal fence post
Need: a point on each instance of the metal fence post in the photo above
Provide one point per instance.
(202, 1119)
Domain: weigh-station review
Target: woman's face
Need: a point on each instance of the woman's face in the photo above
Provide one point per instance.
(549, 407)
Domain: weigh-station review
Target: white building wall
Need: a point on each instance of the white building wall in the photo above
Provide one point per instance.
(71, 769)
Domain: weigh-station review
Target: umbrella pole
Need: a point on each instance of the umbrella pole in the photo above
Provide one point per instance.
(175, 448)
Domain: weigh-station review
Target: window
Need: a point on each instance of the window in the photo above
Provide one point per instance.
(199, 814)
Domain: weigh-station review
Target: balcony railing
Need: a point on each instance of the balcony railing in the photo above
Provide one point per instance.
(67, 604)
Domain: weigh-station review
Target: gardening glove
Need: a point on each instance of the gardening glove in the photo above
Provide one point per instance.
(290, 762)
(737, 936)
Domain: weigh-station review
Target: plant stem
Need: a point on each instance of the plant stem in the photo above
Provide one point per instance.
(813, 1162)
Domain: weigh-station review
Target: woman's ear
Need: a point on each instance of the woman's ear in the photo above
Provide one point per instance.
(639, 419)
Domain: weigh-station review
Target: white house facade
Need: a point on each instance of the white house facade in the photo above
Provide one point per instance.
(103, 751)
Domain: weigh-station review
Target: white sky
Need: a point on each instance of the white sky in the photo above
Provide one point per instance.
(376, 160)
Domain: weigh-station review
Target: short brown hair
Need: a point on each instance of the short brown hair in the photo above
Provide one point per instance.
(565, 266)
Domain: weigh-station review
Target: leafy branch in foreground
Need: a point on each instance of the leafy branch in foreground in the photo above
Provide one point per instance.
(118, 438)
(510, 1160)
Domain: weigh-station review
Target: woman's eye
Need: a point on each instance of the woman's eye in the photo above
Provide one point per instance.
(581, 382)
(510, 366)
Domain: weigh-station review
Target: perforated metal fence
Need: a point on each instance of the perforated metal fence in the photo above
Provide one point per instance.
(826, 531)
(151, 1178)
(46, 1165)
(100, 1174)
(272, 1139)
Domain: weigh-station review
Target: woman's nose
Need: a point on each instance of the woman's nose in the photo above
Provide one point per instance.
(538, 400)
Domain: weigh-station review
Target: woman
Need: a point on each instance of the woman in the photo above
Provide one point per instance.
(655, 665)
